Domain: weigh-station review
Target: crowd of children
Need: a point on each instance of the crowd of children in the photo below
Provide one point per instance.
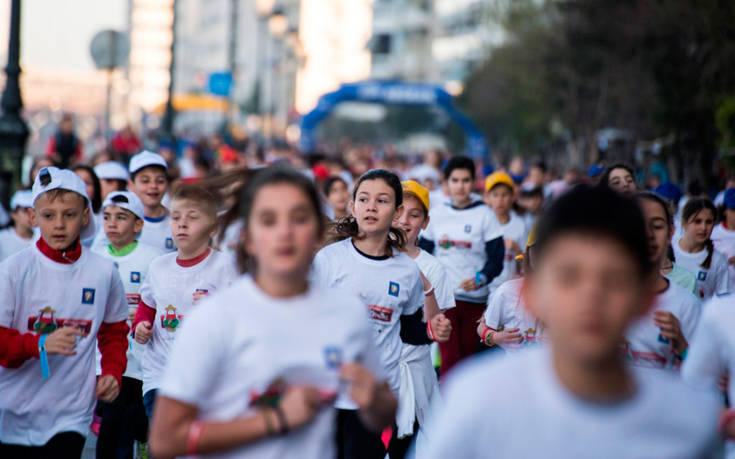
(273, 313)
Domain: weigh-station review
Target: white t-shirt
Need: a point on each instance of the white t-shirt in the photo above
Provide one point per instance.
(170, 288)
(710, 282)
(645, 347)
(683, 277)
(506, 310)
(11, 243)
(526, 412)
(243, 346)
(459, 237)
(724, 240)
(157, 233)
(133, 269)
(514, 229)
(39, 295)
(437, 275)
(389, 287)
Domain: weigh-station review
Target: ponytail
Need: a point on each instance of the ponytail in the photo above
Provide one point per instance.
(710, 250)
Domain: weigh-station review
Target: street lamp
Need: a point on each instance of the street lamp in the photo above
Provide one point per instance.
(13, 130)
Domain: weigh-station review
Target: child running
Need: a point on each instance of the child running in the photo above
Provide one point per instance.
(576, 397)
(465, 237)
(695, 251)
(177, 281)
(113, 177)
(124, 419)
(149, 180)
(19, 236)
(338, 197)
(369, 263)
(256, 369)
(418, 378)
(55, 298)
(659, 339)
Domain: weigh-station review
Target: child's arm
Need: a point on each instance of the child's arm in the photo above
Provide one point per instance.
(112, 341)
(144, 316)
(16, 348)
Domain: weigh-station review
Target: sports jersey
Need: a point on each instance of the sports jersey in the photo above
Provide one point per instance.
(169, 289)
(527, 412)
(505, 310)
(645, 346)
(683, 277)
(437, 276)
(515, 229)
(715, 280)
(39, 295)
(157, 233)
(724, 241)
(133, 268)
(459, 236)
(243, 348)
(389, 287)
(11, 243)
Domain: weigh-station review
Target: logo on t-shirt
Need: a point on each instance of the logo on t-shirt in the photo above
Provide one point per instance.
(702, 276)
(333, 357)
(468, 228)
(170, 320)
(46, 322)
(380, 313)
(393, 289)
(88, 296)
(169, 243)
(135, 277)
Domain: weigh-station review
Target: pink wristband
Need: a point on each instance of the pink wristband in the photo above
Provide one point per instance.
(429, 331)
(195, 433)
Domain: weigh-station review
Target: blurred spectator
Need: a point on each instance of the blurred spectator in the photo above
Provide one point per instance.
(126, 143)
(39, 163)
(64, 147)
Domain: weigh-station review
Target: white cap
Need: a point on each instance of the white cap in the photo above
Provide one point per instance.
(125, 200)
(53, 178)
(144, 159)
(111, 170)
(21, 198)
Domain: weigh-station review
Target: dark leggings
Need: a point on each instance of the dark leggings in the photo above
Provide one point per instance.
(354, 441)
(123, 421)
(63, 445)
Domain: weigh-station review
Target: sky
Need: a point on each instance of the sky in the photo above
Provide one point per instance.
(55, 34)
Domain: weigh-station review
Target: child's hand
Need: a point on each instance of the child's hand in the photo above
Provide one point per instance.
(509, 336)
(300, 404)
(670, 328)
(107, 388)
(511, 246)
(62, 341)
(441, 327)
(143, 332)
(363, 386)
(469, 285)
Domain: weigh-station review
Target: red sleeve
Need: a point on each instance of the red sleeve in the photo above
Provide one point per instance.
(51, 146)
(112, 340)
(144, 313)
(16, 348)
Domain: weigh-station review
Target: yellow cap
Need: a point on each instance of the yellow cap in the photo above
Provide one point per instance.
(415, 188)
(531, 241)
(498, 178)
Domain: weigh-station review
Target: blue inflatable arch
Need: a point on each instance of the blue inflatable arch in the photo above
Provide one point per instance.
(393, 93)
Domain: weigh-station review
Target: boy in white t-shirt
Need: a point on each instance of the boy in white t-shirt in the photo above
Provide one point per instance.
(723, 236)
(177, 281)
(55, 298)
(124, 419)
(113, 176)
(20, 235)
(499, 194)
(149, 180)
(576, 397)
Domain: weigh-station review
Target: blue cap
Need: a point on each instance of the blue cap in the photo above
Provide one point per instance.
(669, 191)
(517, 178)
(487, 169)
(729, 200)
(595, 170)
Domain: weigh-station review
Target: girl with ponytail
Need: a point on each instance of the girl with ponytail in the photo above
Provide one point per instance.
(369, 262)
(695, 250)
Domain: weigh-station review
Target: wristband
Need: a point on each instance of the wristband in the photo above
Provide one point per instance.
(429, 292)
(269, 427)
(43, 356)
(488, 333)
(725, 418)
(478, 278)
(195, 433)
(683, 355)
(429, 331)
(281, 419)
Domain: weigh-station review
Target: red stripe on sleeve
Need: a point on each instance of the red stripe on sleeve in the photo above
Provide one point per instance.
(112, 340)
(144, 313)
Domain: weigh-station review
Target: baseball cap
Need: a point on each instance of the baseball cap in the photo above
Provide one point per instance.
(729, 200)
(125, 200)
(415, 188)
(144, 159)
(21, 198)
(498, 178)
(111, 170)
(53, 178)
(595, 170)
(669, 191)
